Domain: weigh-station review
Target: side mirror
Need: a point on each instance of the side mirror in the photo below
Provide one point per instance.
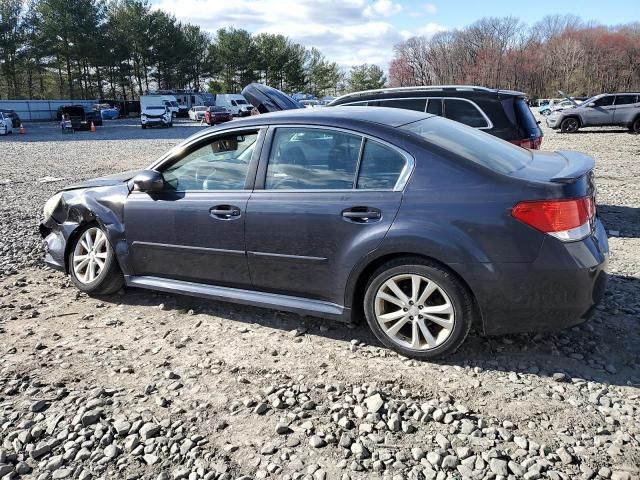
(148, 181)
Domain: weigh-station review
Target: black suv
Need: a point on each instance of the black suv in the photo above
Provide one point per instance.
(503, 113)
(81, 116)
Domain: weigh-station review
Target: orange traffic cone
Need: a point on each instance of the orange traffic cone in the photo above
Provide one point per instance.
(22, 131)
(93, 127)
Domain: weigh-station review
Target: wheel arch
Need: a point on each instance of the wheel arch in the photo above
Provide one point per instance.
(359, 279)
(572, 115)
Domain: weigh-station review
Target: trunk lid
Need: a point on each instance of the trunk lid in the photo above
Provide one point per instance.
(562, 166)
(268, 99)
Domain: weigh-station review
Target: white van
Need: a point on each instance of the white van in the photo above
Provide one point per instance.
(235, 102)
(167, 100)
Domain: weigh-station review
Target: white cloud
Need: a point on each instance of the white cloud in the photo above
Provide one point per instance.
(348, 32)
(431, 8)
(386, 8)
(430, 29)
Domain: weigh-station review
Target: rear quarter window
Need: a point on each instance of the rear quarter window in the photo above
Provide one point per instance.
(474, 145)
(464, 112)
(525, 119)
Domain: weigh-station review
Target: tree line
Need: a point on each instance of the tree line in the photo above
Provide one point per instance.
(123, 48)
(557, 53)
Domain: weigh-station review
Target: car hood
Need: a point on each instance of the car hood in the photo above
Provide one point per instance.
(268, 99)
(106, 181)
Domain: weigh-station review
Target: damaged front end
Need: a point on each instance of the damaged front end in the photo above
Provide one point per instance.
(99, 201)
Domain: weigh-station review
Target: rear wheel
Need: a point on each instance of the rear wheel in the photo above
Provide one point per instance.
(635, 126)
(570, 125)
(418, 308)
(92, 263)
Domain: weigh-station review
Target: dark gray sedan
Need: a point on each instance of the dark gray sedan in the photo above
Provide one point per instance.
(424, 225)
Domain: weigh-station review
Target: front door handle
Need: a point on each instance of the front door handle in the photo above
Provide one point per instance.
(362, 214)
(225, 212)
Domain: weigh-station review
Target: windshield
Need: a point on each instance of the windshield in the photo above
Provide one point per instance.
(592, 99)
(472, 144)
(155, 108)
(199, 109)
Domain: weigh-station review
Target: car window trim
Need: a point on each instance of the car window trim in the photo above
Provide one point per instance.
(200, 141)
(399, 186)
(484, 115)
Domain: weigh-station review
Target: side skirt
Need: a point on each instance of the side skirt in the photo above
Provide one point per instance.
(303, 306)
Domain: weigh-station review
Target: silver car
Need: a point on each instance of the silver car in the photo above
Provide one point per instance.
(620, 109)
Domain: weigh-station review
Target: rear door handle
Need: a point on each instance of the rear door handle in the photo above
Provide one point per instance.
(362, 214)
(225, 212)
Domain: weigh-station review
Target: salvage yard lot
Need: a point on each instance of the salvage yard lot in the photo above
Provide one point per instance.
(148, 384)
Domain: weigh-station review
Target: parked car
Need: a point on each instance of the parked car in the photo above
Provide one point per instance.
(156, 116)
(107, 112)
(607, 109)
(216, 114)
(555, 106)
(197, 113)
(503, 113)
(6, 123)
(13, 115)
(235, 102)
(423, 224)
(81, 116)
(310, 103)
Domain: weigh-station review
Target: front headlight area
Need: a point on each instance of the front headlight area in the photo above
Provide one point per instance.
(51, 206)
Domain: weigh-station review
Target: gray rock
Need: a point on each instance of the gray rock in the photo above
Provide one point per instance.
(442, 441)
(450, 461)
(565, 456)
(112, 451)
(62, 473)
(5, 469)
(374, 403)
(150, 459)
(149, 430)
(22, 468)
(317, 442)
(499, 466)
(122, 427)
(90, 417)
(40, 450)
(434, 458)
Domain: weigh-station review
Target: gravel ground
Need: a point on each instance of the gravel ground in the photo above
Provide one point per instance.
(148, 385)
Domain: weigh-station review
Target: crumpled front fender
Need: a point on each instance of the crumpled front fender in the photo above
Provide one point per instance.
(103, 205)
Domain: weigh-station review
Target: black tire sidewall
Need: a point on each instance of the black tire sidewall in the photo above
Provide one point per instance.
(110, 269)
(635, 126)
(460, 299)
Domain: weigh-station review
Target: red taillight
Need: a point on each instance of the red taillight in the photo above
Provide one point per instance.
(564, 219)
(532, 144)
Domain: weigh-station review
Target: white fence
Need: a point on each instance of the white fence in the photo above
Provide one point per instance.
(40, 110)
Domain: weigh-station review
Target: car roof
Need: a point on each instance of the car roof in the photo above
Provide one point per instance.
(469, 89)
(392, 117)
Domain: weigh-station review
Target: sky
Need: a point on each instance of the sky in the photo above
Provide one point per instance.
(352, 32)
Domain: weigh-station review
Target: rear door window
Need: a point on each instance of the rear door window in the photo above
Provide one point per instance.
(417, 104)
(380, 167)
(464, 112)
(626, 99)
(312, 159)
(435, 106)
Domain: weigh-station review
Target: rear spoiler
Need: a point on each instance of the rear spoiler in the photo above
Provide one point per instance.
(578, 164)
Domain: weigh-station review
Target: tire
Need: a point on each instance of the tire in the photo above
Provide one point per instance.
(570, 125)
(6, 130)
(635, 126)
(143, 126)
(103, 280)
(449, 297)
(546, 113)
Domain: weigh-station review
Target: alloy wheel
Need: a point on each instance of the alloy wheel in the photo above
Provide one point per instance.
(90, 255)
(570, 125)
(414, 311)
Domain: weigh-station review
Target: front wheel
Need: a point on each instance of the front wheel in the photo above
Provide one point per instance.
(143, 126)
(92, 263)
(569, 125)
(418, 308)
(635, 126)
